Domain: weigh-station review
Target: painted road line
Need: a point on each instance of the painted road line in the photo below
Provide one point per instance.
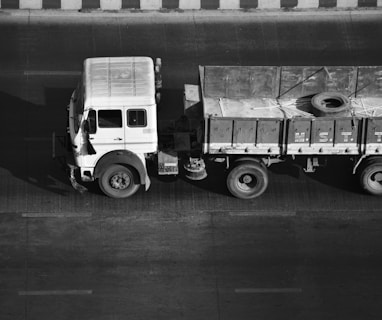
(56, 215)
(25, 139)
(52, 73)
(266, 213)
(37, 139)
(268, 290)
(54, 292)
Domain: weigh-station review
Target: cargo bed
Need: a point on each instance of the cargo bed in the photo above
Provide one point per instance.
(261, 110)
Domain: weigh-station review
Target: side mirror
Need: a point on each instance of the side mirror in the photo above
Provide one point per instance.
(86, 126)
(90, 126)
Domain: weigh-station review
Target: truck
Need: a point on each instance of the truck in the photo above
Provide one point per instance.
(247, 117)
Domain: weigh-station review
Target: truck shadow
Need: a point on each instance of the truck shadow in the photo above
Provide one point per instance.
(337, 174)
(170, 106)
(27, 140)
(214, 182)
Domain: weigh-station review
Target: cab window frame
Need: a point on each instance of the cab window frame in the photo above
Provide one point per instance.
(111, 125)
(129, 112)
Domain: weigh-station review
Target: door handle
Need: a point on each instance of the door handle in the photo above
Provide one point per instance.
(118, 139)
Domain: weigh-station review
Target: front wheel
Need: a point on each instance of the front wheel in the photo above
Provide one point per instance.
(371, 177)
(118, 181)
(247, 180)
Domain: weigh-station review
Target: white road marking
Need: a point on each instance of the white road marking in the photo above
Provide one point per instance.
(25, 139)
(51, 73)
(266, 213)
(37, 139)
(54, 292)
(56, 215)
(268, 290)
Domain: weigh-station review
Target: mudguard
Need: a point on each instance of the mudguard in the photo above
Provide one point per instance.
(123, 157)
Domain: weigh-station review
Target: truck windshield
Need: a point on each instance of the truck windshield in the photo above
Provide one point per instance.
(78, 105)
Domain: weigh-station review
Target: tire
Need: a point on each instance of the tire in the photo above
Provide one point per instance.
(247, 180)
(330, 104)
(118, 181)
(370, 176)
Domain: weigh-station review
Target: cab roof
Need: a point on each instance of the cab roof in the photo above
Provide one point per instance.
(119, 81)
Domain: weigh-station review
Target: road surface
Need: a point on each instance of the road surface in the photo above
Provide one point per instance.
(309, 248)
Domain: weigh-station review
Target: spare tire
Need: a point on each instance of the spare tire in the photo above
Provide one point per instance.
(329, 104)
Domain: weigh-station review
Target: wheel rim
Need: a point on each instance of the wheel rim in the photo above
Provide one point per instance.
(375, 180)
(120, 181)
(247, 182)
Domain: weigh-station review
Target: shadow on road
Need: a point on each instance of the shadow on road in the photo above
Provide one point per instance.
(215, 181)
(27, 139)
(171, 105)
(337, 173)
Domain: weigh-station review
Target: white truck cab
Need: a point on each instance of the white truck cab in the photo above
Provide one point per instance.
(113, 122)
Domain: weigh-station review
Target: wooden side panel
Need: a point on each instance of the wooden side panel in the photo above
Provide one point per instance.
(374, 131)
(323, 132)
(244, 136)
(346, 131)
(324, 136)
(298, 141)
(347, 135)
(244, 132)
(374, 136)
(268, 131)
(221, 131)
(299, 131)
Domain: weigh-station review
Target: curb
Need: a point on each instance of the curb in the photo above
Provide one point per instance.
(167, 15)
(113, 5)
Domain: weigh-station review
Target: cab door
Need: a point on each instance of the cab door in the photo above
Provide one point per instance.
(106, 132)
(140, 129)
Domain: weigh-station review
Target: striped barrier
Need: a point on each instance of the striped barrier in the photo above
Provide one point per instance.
(186, 4)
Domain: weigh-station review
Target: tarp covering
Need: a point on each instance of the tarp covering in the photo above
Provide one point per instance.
(271, 91)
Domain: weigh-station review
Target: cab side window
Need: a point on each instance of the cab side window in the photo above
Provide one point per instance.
(110, 118)
(136, 118)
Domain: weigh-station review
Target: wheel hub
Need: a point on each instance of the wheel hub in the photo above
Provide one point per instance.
(247, 179)
(378, 177)
(247, 182)
(120, 181)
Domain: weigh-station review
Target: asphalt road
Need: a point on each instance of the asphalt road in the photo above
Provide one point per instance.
(309, 248)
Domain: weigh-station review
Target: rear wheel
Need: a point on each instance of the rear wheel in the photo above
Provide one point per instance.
(371, 176)
(247, 180)
(118, 181)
